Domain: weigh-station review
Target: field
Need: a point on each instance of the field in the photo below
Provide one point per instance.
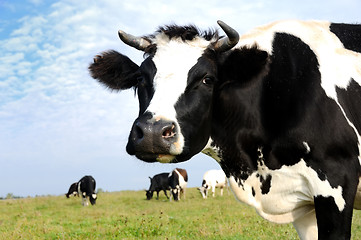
(127, 215)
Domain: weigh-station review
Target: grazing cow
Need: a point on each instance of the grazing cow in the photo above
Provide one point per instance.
(158, 183)
(278, 108)
(73, 190)
(213, 179)
(178, 180)
(85, 187)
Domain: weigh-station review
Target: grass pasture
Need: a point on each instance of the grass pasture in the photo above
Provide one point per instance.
(127, 215)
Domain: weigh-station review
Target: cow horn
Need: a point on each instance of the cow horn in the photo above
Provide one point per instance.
(228, 42)
(136, 42)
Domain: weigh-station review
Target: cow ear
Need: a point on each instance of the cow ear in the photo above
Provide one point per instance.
(244, 64)
(114, 70)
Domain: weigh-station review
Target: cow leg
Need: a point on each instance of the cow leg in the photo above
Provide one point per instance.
(333, 223)
(84, 201)
(221, 191)
(157, 195)
(306, 226)
(213, 191)
(165, 192)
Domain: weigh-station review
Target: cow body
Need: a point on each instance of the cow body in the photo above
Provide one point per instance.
(213, 179)
(85, 188)
(279, 111)
(158, 183)
(178, 180)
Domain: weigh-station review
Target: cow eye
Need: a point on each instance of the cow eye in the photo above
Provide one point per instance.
(207, 81)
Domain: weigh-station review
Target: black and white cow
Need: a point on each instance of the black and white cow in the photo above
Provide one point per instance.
(158, 183)
(278, 108)
(73, 190)
(178, 180)
(213, 179)
(85, 188)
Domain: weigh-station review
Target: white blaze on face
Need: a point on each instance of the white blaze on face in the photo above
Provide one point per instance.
(173, 60)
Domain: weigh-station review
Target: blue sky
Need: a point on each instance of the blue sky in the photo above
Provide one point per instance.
(57, 124)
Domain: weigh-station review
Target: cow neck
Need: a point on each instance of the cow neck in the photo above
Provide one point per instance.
(236, 128)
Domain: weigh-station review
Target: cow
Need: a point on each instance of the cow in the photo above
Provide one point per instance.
(73, 190)
(158, 183)
(277, 108)
(213, 179)
(85, 188)
(177, 180)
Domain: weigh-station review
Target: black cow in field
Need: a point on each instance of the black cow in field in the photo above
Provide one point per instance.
(85, 188)
(158, 183)
(178, 180)
(278, 108)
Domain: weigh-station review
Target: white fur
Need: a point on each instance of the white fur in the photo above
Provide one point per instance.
(285, 202)
(173, 59)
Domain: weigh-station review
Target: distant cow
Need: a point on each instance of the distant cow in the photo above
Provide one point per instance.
(158, 183)
(213, 179)
(73, 190)
(178, 180)
(85, 187)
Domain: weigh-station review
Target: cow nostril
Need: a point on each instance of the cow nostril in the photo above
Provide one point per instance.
(169, 131)
(139, 132)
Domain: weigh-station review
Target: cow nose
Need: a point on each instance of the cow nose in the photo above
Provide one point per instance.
(151, 136)
(160, 132)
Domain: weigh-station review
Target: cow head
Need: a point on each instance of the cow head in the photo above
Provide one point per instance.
(175, 85)
(176, 191)
(93, 198)
(204, 189)
(149, 194)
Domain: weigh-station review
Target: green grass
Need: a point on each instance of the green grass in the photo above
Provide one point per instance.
(127, 215)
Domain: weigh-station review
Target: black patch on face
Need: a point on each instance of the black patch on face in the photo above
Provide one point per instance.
(145, 87)
(194, 107)
(349, 35)
(253, 192)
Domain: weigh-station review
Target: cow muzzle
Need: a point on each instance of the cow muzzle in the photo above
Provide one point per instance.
(154, 139)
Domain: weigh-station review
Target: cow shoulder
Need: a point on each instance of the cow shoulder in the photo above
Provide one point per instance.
(183, 173)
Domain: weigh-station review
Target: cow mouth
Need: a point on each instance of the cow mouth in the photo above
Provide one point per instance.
(155, 157)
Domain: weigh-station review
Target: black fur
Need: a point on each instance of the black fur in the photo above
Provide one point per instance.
(114, 70)
(349, 34)
(186, 32)
(158, 182)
